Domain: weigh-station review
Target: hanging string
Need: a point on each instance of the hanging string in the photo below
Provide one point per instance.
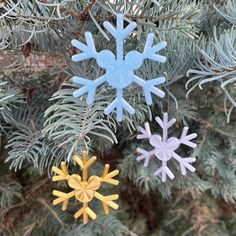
(168, 96)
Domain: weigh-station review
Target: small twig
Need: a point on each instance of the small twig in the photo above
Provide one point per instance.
(188, 231)
(88, 8)
(131, 233)
(73, 13)
(12, 207)
(36, 187)
(208, 126)
(81, 134)
(46, 205)
(29, 229)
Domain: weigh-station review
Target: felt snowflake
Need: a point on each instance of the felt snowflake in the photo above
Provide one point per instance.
(84, 189)
(165, 148)
(119, 70)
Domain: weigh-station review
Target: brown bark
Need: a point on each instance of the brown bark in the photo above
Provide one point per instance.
(34, 61)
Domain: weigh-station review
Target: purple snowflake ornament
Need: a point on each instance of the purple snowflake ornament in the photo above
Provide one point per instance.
(165, 148)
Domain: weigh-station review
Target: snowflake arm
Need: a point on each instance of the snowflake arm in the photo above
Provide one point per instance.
(145, 132)
(62, 174)
(108, 177)
(107, 201)
(145, 155)
(149, 51)
(120, 33)
(185, 139)
(119, 104)
(89, 87)
(62, 197)
(165, 124)
(184, 163)
(89, 50)
(164, 171)
(84, 164)
(85, 211)
(149, 87)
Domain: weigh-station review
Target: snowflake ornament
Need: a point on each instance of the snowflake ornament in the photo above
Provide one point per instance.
(119, 70)
(164, 147)
(84, 189)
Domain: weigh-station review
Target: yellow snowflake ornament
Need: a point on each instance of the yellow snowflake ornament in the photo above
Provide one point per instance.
(84, 188)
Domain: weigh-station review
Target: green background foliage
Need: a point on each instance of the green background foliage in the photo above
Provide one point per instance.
(42, 124)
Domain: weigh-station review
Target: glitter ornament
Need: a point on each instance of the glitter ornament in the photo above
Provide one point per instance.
(119, 70)
(85, 188)
(165, 148)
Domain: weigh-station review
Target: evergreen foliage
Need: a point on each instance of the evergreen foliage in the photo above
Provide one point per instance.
(42, 124)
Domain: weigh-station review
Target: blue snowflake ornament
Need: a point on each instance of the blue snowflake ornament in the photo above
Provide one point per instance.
(119, 70)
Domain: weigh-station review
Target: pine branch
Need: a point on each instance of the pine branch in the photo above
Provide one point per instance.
(80, 123)
(9, 192)
(9, 100)
(227, 10)
(216, 62)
